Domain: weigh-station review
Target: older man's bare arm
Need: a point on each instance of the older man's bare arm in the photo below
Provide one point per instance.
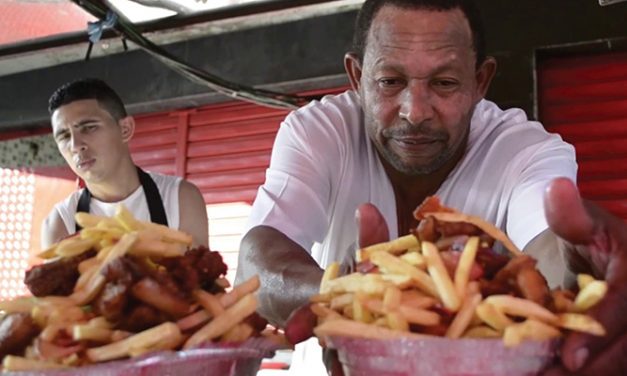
(289, 275)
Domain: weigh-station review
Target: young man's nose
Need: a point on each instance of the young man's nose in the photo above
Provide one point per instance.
(416, 106)
(78, 143)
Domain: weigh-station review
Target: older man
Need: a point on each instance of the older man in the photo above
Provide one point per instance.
(414, 124)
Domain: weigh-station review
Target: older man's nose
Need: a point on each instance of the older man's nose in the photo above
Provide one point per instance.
(416, 106)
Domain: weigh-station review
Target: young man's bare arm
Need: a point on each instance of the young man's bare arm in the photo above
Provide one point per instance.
(288, 274)
(193, 213)
(52, 230)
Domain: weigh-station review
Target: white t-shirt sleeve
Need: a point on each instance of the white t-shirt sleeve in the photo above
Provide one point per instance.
(525, 215)
(295, 196)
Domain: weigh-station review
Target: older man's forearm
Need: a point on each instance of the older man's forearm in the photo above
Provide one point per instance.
(288, 274)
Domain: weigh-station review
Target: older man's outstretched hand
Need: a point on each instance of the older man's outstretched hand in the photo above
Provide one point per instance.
(597, 245)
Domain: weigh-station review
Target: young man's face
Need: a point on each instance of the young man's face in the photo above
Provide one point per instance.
(89, 138)
(418, 87)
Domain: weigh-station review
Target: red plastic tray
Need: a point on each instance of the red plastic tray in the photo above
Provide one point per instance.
(441, 356)
(210, 360)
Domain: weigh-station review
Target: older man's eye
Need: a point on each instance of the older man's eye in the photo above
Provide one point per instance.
(390, 82)
(445, 84)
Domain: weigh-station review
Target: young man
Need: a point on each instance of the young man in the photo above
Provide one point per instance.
(415, 124)
(92, 131)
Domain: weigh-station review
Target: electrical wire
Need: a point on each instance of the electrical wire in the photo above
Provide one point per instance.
(259, 96)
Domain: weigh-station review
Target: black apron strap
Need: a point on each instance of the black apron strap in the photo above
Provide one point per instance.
(153, 199)
(83, 204)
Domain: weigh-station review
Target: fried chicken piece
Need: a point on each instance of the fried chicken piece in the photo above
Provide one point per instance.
(56, 277)
(17, 330)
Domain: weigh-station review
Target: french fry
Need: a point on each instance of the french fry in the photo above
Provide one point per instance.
(341, 301)
(360, 311)
(529, 329)
(74, 247)
(157, 249)
(126, 219)
(249, 286)
(48, 253)
(487, 227)
(91, 333)
(222, 323)
(169, 234)
(414, 259)
(331, 272)
(467, 259)
(583, 280)
(18, 363)
(324, 312)
(391, 298)
(493, 317)
(481, 331)
(521, 307)
(161, 337)
(396, 321)
(464, 316)
(238, 333)
(580, 323)
(590, 295)
(393, 265)
(413, 298)
(393, 246)
(419, 316)
(355, 329)
(321, 298)
(401, 281)
(209, 302)
(86, 220)
(441, 279)
(193, 320)
(372, 284)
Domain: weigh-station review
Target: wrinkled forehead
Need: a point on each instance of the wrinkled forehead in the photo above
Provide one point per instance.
(419, 28)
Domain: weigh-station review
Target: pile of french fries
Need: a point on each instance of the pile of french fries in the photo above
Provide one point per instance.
(211, 318)
(411, 291)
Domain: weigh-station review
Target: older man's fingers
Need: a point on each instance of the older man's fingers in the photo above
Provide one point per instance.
(612, 361)
(371, 225)
(578, 348)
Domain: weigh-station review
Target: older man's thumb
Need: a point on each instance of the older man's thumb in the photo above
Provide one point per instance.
(565, 212)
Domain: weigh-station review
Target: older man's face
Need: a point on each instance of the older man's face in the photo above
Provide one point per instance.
(418, 87)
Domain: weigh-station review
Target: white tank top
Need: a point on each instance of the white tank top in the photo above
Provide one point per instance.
(167, 185)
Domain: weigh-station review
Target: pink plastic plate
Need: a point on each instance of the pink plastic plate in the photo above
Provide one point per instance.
(209, 360)
(441, 356)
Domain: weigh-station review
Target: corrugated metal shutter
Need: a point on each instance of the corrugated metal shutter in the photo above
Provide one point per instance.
(585, 100)
(224, 149)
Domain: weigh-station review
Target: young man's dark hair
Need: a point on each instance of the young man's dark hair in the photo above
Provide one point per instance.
(88, 88)
(371, 7)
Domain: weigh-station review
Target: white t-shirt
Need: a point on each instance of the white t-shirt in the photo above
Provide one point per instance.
(324, 165)
(167, 185)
